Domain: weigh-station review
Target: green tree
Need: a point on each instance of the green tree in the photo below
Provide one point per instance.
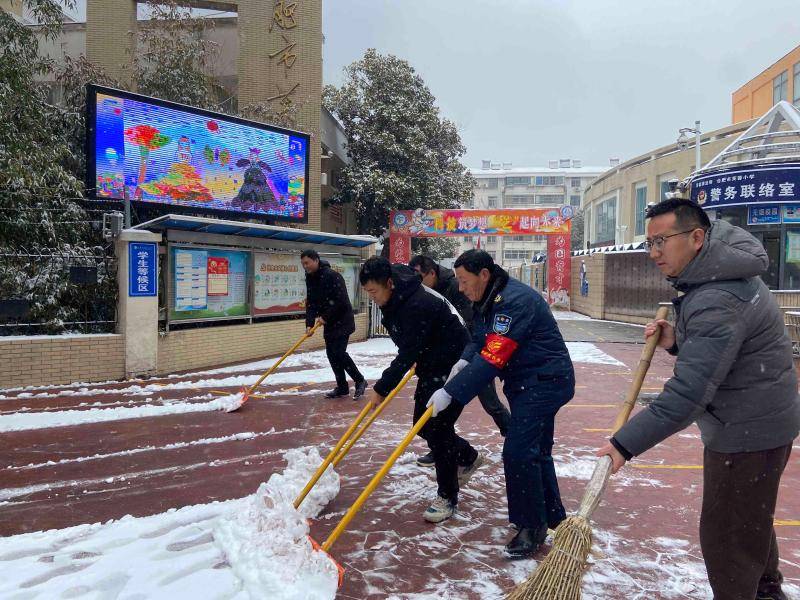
(405, 155)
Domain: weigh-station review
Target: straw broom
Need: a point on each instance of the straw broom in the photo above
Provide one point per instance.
(559, 575)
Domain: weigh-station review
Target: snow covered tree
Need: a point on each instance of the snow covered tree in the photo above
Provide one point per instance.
(43, 229)
(577, 230)
(405, 155)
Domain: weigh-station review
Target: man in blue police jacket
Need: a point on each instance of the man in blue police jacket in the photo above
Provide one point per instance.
(515, 338)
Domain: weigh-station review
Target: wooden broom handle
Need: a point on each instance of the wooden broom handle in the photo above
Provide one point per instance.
(602, 468)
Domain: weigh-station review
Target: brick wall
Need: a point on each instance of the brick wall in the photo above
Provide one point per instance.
(591, 305)
(213, 346)
(52, 360)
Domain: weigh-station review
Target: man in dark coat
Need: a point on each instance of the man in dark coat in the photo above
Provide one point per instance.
(515, 338)
(327, 302)
(735, 378)
(428, 332)
(443, 280)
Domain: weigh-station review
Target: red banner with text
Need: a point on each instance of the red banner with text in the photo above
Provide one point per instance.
(558, 270)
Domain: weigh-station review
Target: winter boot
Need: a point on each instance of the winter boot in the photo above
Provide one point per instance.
(427, 460)
(440, 510)
(527, 541)
(361, 387)
(338, 392)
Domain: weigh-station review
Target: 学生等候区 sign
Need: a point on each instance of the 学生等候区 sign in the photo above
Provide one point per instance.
(142, 270)
(770, 183)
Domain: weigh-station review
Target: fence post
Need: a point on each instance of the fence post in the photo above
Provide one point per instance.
(137, 311)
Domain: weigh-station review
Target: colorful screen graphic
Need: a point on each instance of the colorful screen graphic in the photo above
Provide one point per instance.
(163, 153)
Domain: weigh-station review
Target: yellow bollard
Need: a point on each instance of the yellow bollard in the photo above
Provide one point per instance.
(375, 415)
(376, 480)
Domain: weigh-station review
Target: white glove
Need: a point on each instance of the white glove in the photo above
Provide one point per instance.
(457, 368)
(440, 400)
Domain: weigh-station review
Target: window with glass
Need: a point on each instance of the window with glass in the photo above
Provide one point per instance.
(515, 254)
(491, 201)
(641, 207)
(606, 221)
(491, 239)
(575, 182)
(663, 184)
(780, 87)
(551, 199)
(518, 180)
(796, 84)
(549, 180)
(491, 184)
(519, 201)
(575, 201)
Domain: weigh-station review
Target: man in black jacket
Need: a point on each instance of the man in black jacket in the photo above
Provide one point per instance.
(327, 302)
(428, 332)
(443, 281)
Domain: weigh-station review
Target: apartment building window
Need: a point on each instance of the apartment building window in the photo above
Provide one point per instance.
(780, 87)
(492, 253)
(520, 238)
(575, 182)
(518, 180)
(491, 201)
(549, 180)
(491, 184)
(550, 199)
(467, 239)
(606, 220)
(516, 254)
(641, 206)
(796, 84)
(519, 201)
(491, 240)
(575, 201)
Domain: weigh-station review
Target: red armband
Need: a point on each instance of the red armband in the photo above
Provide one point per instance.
(498, 350)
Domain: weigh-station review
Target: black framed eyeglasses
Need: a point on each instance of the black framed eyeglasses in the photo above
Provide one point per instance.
(658, 241)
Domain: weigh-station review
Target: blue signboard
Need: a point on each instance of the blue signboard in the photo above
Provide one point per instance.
(142, 270)
(763, 214)
(770, 183)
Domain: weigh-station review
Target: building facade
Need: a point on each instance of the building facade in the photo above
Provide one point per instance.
(614, 203)
(779, 81)
(500, 185)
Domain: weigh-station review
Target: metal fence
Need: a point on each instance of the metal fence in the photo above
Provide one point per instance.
(48, 291)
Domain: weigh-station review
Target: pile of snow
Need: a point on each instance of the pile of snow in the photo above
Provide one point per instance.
(266, 541)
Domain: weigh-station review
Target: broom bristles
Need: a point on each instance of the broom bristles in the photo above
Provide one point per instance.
(558, 576)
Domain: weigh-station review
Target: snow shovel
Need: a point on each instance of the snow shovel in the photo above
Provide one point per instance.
(334, 454)
(237, 400)
(375, 415)
(376, 480)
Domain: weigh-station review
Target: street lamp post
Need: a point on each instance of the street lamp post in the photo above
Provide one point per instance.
(683, 142)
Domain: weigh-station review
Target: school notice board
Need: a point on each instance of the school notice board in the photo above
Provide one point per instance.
(208, 283)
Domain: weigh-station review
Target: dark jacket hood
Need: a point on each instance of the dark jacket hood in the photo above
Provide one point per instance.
(729, 252)
(406, 281)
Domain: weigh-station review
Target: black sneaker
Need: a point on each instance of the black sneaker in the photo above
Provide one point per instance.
(338, 392)
(527, 541)
(427, 460)
(361, 387)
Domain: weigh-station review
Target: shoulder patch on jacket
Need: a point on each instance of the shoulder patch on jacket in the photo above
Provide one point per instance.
(498, 350)
(502, 323)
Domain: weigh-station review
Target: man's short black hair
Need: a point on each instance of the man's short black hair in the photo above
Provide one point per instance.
(474, 261)
(688, 214)
(377, 269)
(312, 254)
(425, 263)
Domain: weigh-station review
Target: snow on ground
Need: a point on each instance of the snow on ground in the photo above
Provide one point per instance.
(252, 548)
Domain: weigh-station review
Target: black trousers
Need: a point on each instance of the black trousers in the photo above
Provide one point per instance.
(495, 408)
(449, 449)
(736, 530)
(336, 349)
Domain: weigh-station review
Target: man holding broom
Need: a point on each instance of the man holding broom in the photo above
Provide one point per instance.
(734, 377)
(515, 338)
(428, 332)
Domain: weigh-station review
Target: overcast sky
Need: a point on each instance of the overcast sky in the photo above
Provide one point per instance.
(531, 80)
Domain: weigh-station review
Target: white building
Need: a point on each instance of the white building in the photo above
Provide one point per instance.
(499, 185)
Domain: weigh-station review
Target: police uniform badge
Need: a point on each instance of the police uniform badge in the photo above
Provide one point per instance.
(502, 324)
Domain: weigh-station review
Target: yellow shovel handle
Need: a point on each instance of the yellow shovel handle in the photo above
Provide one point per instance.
(313, 481)
(376, 480)
(282, 358)
(374, 415)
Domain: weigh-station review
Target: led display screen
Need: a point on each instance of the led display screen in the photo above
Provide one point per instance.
(173, 155)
